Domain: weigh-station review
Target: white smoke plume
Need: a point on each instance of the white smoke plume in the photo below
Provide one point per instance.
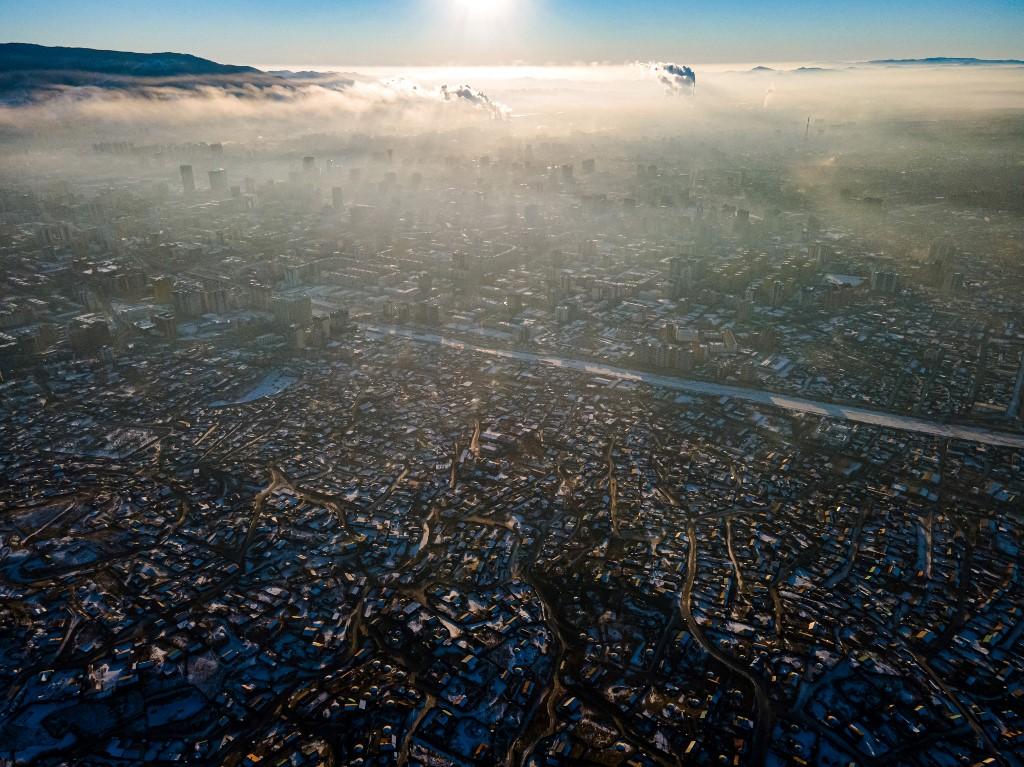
(678, 78)
(498, 111)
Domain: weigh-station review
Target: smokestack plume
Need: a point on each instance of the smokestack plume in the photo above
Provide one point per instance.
(473, 96)
(678, 78)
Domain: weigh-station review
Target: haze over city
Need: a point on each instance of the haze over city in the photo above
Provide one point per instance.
(458, 383)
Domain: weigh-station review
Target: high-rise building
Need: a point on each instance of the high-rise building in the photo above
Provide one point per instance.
(300, 274)
(187, 302)
(822, 254)
(292, 310)
(162, 288)
(88, 334)
(188, 180)
(953, 282)
(166, 324)
(884, 281)
(339, 322)
(218, 181)
(942, 256)
(778, 293)
(426, 313)
(666, 356)
(513, 303)
(260, 296)
(425, 284)
(215, 301)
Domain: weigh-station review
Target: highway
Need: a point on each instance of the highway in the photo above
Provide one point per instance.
(710, 389)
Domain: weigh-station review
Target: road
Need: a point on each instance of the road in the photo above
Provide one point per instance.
(1018, 392)
(429, 701)
(740, 589)
(765, 720)
(710, 389)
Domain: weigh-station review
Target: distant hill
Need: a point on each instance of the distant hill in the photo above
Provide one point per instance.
(26, 57)
(933, 61)
(948, 61)
(797, 71)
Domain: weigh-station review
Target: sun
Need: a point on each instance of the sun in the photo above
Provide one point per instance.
(482, 15)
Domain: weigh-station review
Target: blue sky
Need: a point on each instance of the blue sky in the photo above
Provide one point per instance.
(429, 32)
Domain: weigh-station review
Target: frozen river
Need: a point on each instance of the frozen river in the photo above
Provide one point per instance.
(707, 388)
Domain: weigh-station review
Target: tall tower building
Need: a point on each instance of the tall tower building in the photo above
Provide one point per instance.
(188, 180)
(163, 288)
(218, 181)
(778, 293)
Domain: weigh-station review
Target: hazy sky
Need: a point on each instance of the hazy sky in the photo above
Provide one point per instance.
(423, 32)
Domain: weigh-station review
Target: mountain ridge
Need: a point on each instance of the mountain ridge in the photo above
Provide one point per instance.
(940, 61)
(29, 57)
(949, 61)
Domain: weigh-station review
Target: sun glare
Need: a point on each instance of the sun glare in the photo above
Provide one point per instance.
(483, 15)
